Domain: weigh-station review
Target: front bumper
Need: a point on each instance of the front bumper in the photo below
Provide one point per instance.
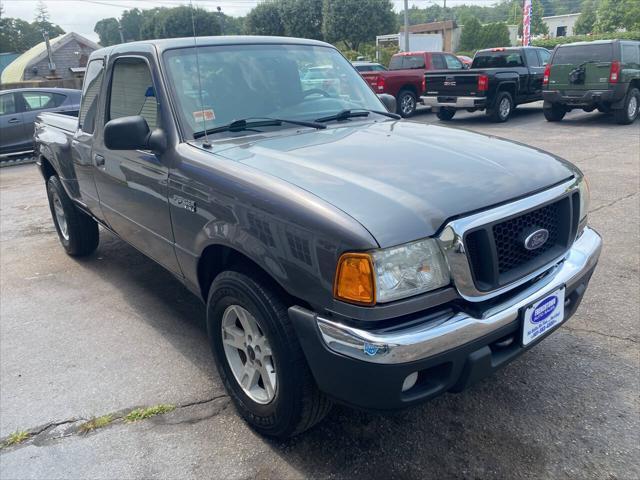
(367, 368)
(454, 102)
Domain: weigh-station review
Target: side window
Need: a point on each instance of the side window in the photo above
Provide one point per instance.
(58, 99)
(514, 60)
(37, 100)
(90, 91)
(631, 56)
(532, 57)
(544, 56)
(132, 91)
(437, 62)
(7, 104)
(453, 63)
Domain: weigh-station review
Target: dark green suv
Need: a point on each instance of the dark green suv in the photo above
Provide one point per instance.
(603, 74)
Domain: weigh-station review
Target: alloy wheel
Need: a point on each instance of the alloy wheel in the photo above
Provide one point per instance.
(504, 108)
(249, 354)
(632, 108)
(407, 104)
(61, 219)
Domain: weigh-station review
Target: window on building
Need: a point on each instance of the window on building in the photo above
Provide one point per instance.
(561, 31)
(132, 91)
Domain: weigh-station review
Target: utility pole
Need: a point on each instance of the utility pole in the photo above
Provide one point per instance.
(120, 32)
(406, 25)
(221, 19)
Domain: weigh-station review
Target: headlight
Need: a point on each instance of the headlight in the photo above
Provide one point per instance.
(391, 273)
(585, 198)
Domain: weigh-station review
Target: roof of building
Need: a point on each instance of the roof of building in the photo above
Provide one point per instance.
(431, 27)
(566, 15)
(14, 72)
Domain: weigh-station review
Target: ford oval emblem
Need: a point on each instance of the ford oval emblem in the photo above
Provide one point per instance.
(536, 239)
(544, 309)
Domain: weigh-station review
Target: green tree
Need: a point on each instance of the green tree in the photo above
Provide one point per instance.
(631, 18)
(587, 18)
(538, 27)
(494, 35)
(610, 16)
(150, 21)
(470, 37)
(131, 21)
(301, 18)
(177, 22)
(356, 21)
(107, 30)
(264, 19)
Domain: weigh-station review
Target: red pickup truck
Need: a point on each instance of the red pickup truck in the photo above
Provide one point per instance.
(405, 77)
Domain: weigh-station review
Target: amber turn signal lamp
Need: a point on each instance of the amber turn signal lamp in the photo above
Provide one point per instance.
(354, 279)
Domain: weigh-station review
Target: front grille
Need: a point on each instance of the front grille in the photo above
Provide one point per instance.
(496, 251)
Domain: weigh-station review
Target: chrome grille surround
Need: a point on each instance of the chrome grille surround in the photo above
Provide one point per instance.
(452, 244)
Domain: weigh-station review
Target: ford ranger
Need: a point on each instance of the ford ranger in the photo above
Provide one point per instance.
(499, 79)
(343, 254)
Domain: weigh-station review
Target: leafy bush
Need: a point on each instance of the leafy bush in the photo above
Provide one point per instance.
(552, 42)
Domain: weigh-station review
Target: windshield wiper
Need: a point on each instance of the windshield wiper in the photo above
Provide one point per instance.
(249, 123)
(360, 112)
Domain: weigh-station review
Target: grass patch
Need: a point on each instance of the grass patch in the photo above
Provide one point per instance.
(95, 423)
(16, 437)
(143, 413)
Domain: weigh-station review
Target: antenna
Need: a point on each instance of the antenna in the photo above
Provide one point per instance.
(206, 142)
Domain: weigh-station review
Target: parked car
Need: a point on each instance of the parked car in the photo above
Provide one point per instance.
(343, 254)
(363, 66)
(18, 110)
(498, 81)
(466, 61)
(405, 78)
(603, 74)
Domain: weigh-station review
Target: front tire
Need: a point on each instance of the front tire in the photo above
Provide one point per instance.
(446, 113)
(407, 103)
(553, 112)
(259, 357)
(502, 109)
(629, 111)
(78, 232)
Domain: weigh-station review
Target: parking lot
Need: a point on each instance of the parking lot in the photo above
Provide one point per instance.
(103, 335)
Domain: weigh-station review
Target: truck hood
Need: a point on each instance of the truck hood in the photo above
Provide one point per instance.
(402, 180)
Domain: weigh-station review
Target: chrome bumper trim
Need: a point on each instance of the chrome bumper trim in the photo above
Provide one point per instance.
(461, 102)
(423, 341)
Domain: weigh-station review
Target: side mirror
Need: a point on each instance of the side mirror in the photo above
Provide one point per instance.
(132, 133)
(389, 101)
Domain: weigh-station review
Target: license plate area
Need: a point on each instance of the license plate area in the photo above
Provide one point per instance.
(542, 316)
(446, 99)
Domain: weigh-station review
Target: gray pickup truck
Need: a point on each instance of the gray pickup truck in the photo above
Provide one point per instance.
(343, 254)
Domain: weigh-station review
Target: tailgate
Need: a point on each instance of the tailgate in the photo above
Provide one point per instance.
(449, 83)
(372, 79)
(588, 76)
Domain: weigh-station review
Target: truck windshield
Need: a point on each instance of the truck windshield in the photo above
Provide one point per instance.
(296, 82)
(577, 54)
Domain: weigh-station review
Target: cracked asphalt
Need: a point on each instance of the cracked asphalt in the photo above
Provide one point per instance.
(103, 335)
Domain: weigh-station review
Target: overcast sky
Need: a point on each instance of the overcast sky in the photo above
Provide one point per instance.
(81, 15)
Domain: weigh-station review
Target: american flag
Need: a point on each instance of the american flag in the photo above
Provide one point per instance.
(526, 23)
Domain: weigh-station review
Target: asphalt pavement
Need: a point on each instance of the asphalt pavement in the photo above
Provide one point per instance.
(103, 335)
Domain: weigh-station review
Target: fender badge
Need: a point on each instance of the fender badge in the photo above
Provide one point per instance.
(373, 349)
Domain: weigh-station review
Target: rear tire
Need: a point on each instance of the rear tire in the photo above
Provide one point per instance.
(406, 103)
(446, 113)
(553, 112)
(293, 402)
(78, 232)
(502, 108)
(629, 111)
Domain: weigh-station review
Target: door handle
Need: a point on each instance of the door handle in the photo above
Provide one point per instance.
(99, 159)
(14, 120)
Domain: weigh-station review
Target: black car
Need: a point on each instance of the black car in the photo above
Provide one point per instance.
(18, 110)
(498, 80)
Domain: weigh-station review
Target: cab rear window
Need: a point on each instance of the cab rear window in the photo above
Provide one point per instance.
(577, 54)
(498, 59)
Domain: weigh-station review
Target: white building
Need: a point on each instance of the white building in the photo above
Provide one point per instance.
(561, 25)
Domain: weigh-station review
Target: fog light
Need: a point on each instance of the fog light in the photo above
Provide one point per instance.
(410, 381)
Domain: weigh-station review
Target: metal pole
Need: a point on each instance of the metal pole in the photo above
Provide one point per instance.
(121, 34)
(406, 25)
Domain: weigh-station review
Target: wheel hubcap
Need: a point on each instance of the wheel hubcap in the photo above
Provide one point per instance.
(407, 104)
(505, 107)
(632, 109)
(249, 354)
(61, 220)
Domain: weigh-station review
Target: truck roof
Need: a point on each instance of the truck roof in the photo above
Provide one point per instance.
(170, 43)
(595, 42)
